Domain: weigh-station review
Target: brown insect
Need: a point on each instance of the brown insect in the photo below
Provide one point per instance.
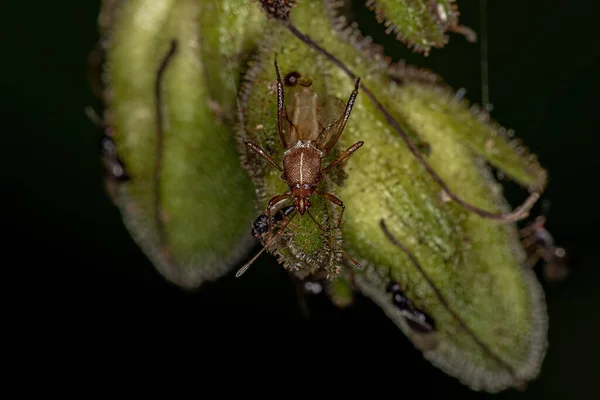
(305, 147)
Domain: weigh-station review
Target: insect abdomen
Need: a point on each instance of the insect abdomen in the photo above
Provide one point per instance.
(305, 116)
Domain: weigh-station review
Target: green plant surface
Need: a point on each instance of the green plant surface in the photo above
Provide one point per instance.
(207, 201)
(489, 312)
(475, 263)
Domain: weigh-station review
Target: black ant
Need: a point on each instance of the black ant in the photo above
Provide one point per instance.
(416, 319)
(260, 226)
(443, 301)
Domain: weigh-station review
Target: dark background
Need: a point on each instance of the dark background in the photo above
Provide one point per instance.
(83, 288)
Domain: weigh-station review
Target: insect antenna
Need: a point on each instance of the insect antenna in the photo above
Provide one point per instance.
(321, 227)
(249, 263)
(517, 214)
(266, 245)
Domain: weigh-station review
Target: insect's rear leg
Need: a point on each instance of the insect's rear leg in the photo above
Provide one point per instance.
(258, 150)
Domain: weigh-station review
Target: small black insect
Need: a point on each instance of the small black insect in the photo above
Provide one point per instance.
(260, 226)
(415, 318)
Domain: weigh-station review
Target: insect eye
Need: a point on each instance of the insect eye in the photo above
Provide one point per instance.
(291, 79)
(305, 186)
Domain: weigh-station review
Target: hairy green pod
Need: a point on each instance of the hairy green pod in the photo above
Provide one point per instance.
(205, 201)
(420, 24)
(489, 312)
(490, 315)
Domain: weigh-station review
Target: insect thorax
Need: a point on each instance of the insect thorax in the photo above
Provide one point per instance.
(302, 165)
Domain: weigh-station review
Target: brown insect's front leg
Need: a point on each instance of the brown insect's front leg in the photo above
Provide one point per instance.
(347, 153)
(258, 150)
(335, 201)
(273, 203)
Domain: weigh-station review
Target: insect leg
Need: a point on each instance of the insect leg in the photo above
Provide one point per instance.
(258, 150)
(273, 203)
(321, 227)
(352, 259)
(249, 263)
(335, 201)
(347, 112)
(347, 153)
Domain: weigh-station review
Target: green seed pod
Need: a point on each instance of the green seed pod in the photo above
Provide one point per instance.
(188, 204)
(456, 267)
(420, 24)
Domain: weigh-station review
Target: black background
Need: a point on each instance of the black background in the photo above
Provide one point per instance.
(82, 287)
